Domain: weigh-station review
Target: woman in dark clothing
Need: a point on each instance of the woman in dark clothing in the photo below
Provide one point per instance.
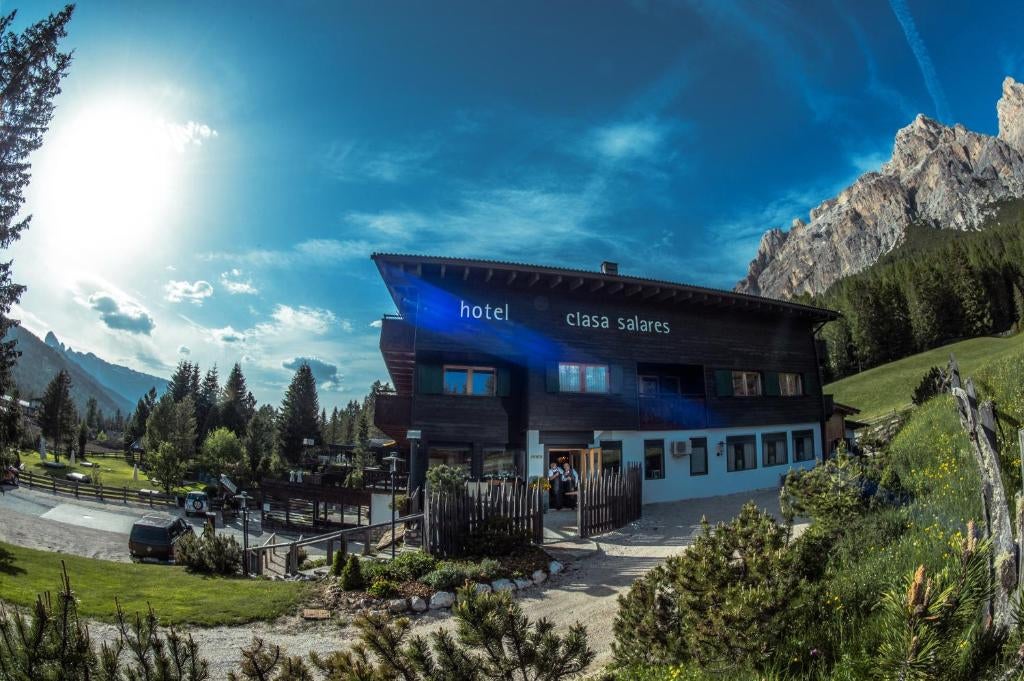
(555, 491)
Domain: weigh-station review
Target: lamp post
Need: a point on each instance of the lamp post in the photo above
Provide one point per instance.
(243, 498)
(393, 460)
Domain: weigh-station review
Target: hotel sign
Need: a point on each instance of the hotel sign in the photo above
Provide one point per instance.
(577, 319)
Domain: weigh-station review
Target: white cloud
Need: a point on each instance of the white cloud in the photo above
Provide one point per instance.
(183, 135)
(194, 292)
(377, 323)
(629, 140)
(121, 314)
(305, 253)
(351, 161)
(301, 318)
(235, 285)
(227, 335)
(184, 350)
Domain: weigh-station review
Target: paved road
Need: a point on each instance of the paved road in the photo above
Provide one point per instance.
(82, 527)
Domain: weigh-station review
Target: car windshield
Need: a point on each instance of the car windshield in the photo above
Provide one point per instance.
(148, 533)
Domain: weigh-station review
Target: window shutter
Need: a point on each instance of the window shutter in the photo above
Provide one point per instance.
(811, 383)
(723, 382)
(551, 378)
(504, 384)
(615, 379)
(429, 379)
(771, 383)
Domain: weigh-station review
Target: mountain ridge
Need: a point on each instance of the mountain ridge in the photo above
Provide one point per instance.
(122, 381)
(945, 176)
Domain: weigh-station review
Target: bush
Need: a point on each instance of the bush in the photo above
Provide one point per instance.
(827, 494)
(383, 588)
(931, 385)
(410, 565)
(497, 536)
(209, 553)
(484, 571)
(351, 578)
(445, 577)
(733, 597)
(338, 563)
(444, 478)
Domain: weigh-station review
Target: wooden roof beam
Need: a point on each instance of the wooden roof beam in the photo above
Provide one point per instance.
(534, 279)
(511, 277)
(576, 283)
(465, 273)
(651, 292)
(444, 268)
(668, 295)
(633, 290)
(490, 275)
(598, 284)
(616, 287)
(556, 281)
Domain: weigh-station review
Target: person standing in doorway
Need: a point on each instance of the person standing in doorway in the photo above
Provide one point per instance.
(570, 483)
(555, 490)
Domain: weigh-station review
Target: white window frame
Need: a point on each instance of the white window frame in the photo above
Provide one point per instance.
(584, 388)
(791, 384)
(742, 389)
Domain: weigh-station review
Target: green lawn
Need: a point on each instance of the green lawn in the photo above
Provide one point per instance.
(177, 597)
(114, 472)
(888, 387)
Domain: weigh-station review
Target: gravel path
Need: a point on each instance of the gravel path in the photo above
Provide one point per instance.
(21, 525)
(597, 572)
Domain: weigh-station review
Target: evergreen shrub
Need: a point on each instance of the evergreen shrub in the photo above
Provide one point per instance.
(351, 578)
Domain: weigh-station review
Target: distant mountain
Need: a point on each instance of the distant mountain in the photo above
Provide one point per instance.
(939, 176)
(123, 382)
(38, 365)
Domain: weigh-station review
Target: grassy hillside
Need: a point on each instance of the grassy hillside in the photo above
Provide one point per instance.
(888, 387)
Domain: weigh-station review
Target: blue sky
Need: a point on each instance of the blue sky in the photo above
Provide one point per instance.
(217, 174)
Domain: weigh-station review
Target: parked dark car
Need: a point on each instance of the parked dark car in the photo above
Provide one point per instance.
(154, 537)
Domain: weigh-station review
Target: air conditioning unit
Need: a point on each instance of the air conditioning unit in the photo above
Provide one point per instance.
(680, 448)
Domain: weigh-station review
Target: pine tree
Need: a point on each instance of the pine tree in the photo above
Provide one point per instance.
(11, 425)
(180, 385)
(91, 415)
(260, 435)
(171, 440)
(31, 70)
(299, 417)
(83, 438)
(207, 416)
(975, 308)
(237, 403)
(135, 429)
(57, 415)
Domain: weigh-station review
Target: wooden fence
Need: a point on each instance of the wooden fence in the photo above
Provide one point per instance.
(608, 500)
(103, 493)
(451, 518)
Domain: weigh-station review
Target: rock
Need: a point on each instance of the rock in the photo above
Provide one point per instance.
(503, 585)
(418, 604)
(942, 175)
(539, 576)
(482, 588)
(441, 599)
(554, 568)
(366, 603)
(523, 584)
(397, 605)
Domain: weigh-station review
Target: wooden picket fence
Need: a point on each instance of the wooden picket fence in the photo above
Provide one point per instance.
(450, 518)
(608, 501)
(82, 490)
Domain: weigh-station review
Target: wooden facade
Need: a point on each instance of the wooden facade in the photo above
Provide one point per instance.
(522, 321)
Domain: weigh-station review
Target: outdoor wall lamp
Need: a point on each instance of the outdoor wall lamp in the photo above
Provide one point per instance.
(720, 449)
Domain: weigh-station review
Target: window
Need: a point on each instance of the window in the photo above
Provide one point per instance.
(803, 445)
(648, 385)
(654, 459)
(582, 378)
(669, 385)
(459, 456)
(774, 450)
(469, 380)
(698, 456)
(611, 456)
(501, 464)
(791, 385)
(741, 452)
(746, 383)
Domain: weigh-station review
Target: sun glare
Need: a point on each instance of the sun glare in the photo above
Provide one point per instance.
(108, 177)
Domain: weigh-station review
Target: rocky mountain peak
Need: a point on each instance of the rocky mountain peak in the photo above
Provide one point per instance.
(945, 176)
(1010, 109)
(51, 340)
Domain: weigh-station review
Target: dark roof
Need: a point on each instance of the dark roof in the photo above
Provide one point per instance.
(610, 283)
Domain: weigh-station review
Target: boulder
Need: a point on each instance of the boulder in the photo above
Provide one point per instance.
(398, 605)
(418, 604)
(503, 585)
(482, 588)
(554, 568)
(441, 599)
(539, 576)
(523, 584)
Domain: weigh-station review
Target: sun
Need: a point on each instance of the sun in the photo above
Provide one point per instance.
(107, 178)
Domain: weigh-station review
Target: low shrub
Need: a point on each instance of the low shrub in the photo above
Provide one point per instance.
(383, 588)
(485, 570)
(209, 553)
(445, 577)
(338, 563)
(312, 564)
(445, 478)
(351, 578)
(828, 494)
(931, 385)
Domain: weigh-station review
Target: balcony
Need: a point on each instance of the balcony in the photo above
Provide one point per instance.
(672, 412)
(397, 345)
(393, 414)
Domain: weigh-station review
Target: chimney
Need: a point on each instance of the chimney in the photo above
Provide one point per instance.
(608, 267)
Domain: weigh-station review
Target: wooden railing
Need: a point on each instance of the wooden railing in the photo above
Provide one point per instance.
(608, 501)
(101, 492)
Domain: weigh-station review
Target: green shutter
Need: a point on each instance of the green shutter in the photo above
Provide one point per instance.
(615, 379)
(504, 385)
(771, 383)
(811, 383)
(723, 382)
(429, 379)
(551, 377)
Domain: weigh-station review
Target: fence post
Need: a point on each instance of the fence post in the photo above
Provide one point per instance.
(124, 496)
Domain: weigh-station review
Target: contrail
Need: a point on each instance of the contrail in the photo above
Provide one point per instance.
(924, 61)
